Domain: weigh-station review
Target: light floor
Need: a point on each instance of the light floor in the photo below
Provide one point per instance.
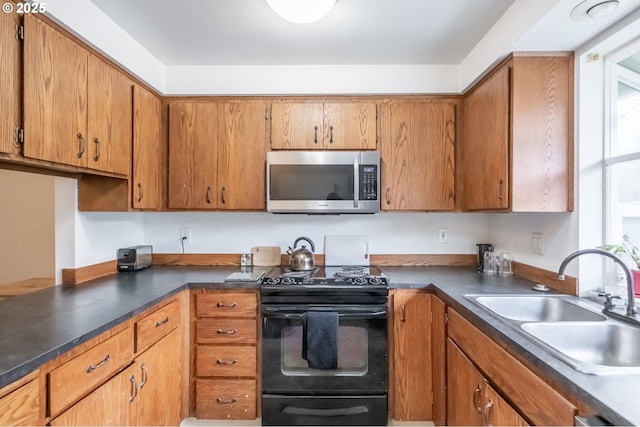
(194, 422)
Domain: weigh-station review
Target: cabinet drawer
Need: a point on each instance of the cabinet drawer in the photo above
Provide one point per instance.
(226, 399)
(86, 371)
(154, 326)
(226, 331)
(21, 407)
(227, 305)
(227, 361)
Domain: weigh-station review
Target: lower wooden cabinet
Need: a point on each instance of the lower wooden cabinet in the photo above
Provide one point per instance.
(20, 402)
(412, 383)
(226, 356)
(476, 399)
(472, 400)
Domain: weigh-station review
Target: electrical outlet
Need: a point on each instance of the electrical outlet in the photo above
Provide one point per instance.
(537, 243)
(185, 235)
(442, 235)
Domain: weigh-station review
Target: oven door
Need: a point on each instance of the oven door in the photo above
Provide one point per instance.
(362, 349)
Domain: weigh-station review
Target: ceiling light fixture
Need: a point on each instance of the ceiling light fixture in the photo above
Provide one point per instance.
(301, 11)
(594, 9)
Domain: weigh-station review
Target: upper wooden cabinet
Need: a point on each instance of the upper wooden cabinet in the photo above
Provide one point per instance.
(77, 109)
(517, 145)
(10, 82)
(418, 156)
(147, 171)
(217, 155)
(313, 125)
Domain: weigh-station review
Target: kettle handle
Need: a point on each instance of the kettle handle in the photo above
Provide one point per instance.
(313, 248)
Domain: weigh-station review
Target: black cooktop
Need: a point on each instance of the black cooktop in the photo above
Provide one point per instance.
(327, 276)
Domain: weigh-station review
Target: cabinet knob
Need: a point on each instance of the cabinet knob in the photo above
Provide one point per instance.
(330, 134)
(403, 313)
(315, 134)
(499, 189)
(208, 195)
(388, 195)
(222, 196)
(140, 193)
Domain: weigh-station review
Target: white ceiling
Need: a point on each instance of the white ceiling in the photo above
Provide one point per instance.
(248, 32)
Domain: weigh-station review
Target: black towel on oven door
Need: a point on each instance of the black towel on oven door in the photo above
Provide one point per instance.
(320, 339)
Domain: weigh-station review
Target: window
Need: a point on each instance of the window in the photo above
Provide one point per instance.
(622, 151)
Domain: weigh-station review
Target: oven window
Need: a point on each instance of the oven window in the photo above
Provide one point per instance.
(352, 353)
(311, 182)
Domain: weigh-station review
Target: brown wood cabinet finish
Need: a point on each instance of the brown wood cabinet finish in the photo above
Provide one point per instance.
(418, 156)
(218, 304)
(517, 150)
(10, 82)
(154, 326)
(146, 182)
(217, 155)
(473, 400)
(228, 399)
(439, 359)
(533, 398)
(412, 358)
(317, 125)
(20, 402)
(226, 361)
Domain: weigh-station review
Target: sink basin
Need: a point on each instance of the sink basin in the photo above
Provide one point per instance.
(534, 308)
(594, 348)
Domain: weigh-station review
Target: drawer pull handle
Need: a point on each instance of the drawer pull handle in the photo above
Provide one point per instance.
(487, 413)
(145, 375)
(222, 400)
(134, 388)
(91, 368)
(226, 362)
(476, 399)
(163, 321)
(223, 305)
(227, 331)
(403, 313)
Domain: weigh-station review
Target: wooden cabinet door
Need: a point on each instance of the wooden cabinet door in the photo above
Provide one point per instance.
(418, 156)
(192, 155)
(296, 126)
(485, 148)
(439, 359)
(465, 387)
(55, 94)
(498, 412)
(147, 154)
(21, 405)
(114, 403)
(158, 369)
(109, 115)
(10, 82)
(412, 380)
(350, 126)
(242, 155)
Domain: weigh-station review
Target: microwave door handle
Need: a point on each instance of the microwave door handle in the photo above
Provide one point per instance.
(356, 183)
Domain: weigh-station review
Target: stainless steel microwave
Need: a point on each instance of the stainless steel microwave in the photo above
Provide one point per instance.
(323, 182)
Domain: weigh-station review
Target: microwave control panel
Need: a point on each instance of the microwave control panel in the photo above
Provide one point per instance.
(368, 182)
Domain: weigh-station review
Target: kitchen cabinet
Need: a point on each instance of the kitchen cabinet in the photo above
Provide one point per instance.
(439, 360)
(77, 108)
(146, 391)
(317, 125)
(473, 400)
(226, 355)
(10, 82)
(517, 140)
(217, 155)
(148, 146)
(20, 402)
(499, 376)
(412, 358)
(417, 148)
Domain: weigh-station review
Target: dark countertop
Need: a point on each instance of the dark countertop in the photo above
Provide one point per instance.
(39, 326)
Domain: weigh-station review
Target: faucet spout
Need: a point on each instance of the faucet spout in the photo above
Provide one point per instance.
(631, 302)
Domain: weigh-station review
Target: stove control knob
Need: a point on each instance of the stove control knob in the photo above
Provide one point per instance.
(360, 281)
(288, 281)
(375, 281)
(273, 280)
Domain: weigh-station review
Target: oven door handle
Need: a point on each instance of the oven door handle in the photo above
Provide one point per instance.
(297, 315)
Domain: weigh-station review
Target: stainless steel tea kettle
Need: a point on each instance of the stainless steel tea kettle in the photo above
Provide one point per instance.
(301, 259)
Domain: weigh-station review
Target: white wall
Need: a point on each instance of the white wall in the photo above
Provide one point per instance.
(389, 233)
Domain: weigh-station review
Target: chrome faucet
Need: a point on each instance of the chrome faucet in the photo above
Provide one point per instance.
(631, 301)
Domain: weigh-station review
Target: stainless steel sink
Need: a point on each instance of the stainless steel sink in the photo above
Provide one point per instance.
(534, 308)
(594, 348)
